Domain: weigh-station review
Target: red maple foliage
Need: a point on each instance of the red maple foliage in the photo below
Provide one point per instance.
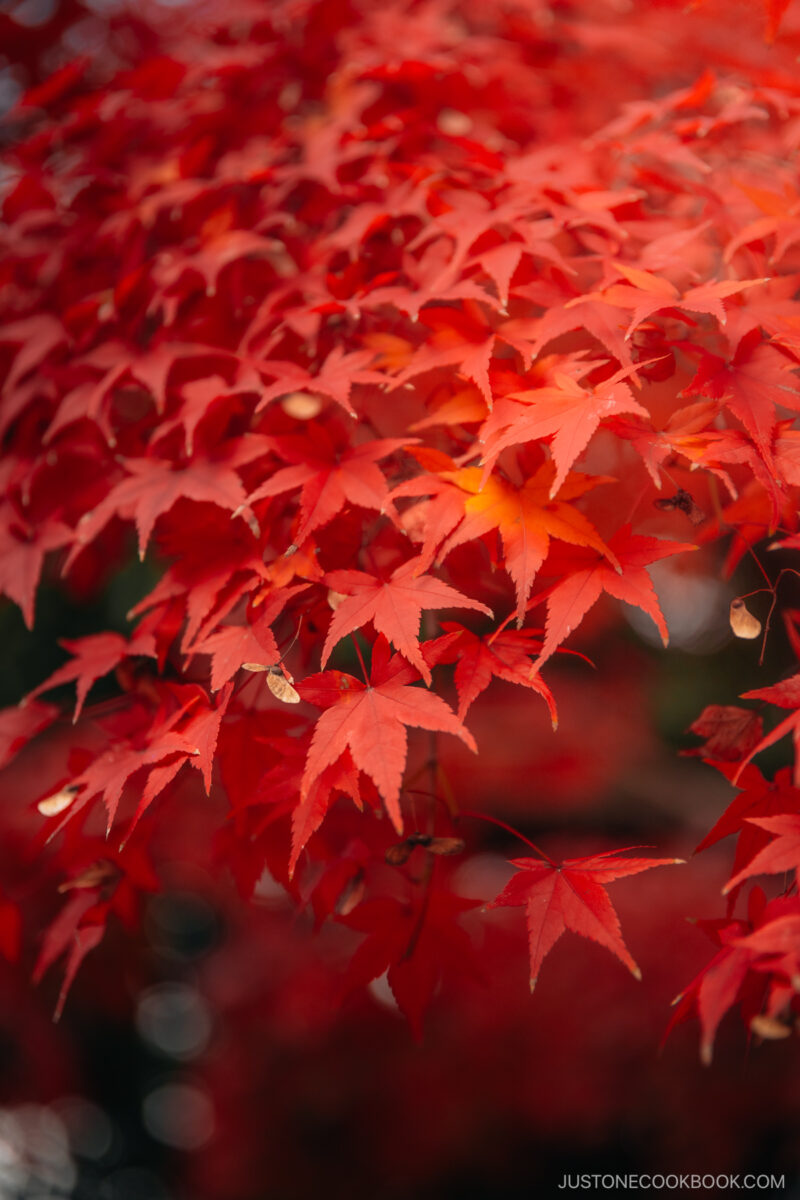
(346, 318)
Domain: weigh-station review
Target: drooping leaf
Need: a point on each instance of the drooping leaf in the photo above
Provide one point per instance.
(371, 719)
(526, 518)
(572, 895)
(393, 605)
(583, 584)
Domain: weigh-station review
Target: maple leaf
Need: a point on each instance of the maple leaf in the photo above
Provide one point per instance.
(756, 379)
(785, 695)
(37, 336)
(649, 293)
(154, 485)
(567, 412)
(724, 980)
(731, 732)
(109, 773)
(564, 314)
(393, 605)
(200, 729)
(759, 797)
(782, 853)
(231, 646)
(335, 378)
(151, 368)
(413, 947)
(93, 657)
(67, 935)
(339, 778)
(778, 942)
(187, 735)
(330, 473)
(371, 719)
(572, 895)
(21, 723)
(456, 341)
(505, 654)
(527, 518)
(570, 599)
(22, 554)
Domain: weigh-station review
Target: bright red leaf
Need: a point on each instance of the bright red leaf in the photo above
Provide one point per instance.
(572, 895)
(394, 606)
(371, 719)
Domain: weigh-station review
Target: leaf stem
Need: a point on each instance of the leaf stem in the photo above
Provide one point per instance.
(360, 659)
(510, 829)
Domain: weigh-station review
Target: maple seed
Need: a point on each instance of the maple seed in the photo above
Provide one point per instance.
(52, 805)
(281, 686)
(769, 1028)
(400, 853)
(99, 874)
(303, 406)
(351, 895)
(743, 623)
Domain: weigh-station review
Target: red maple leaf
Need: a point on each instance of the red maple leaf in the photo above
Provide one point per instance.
(154, 485)
(569, 600)
(188, 734)
(334, 379)
(526, 518)
(504, 654)
(394, 606)
(93, 657)
(414, 946)
(371, 719)
(759, 797)
(230, 646)
(339, 778)
(37, 336)
(330, 473)
(18, 725)
(781, 854)
(572, 895)
(68, 935)
(566, 412)
(22, 553)
(750, 385)
(785, 695)
(460, 339)
(731, 732)
(730, 975)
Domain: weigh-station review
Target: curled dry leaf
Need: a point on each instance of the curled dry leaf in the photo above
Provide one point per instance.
(731, 732)
(743, 623)
(51, 806)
